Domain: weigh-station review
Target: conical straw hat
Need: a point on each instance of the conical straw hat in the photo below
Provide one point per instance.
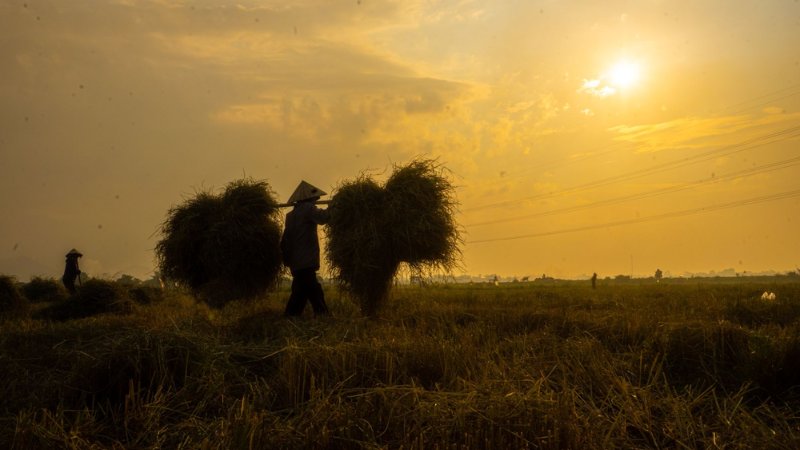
(74, 252)
(305, 191)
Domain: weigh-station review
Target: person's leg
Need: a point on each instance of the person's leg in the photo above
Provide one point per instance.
(299, 296)
(316, 296)
(69, 283)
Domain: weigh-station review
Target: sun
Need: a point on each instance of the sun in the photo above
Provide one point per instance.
(624, 74)
(619, 79)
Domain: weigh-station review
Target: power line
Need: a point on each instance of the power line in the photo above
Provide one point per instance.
(771, 167)
(682, 213)
(776, 136)
(768, 96)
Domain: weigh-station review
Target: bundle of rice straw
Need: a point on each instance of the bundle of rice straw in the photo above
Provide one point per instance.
(421, 206)
(94, 297)
(224, 247)
(373, 229)
(358, 246)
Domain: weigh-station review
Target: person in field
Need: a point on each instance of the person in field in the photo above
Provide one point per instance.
(300, 249)
(71, 270)
(594, 280)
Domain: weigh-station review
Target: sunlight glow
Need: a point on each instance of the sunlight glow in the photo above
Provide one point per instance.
(624, 74)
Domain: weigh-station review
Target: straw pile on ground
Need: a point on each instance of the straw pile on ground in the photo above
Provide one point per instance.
(94, 297)
(40, 289)
(373, 229)
(224, 247)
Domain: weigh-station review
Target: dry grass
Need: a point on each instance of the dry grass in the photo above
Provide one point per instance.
(518, 366)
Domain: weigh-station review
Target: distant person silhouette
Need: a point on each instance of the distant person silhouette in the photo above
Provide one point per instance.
(71, 270)
(594, 280)
(300, 248)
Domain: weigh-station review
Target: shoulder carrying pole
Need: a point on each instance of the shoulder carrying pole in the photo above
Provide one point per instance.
(319, 202)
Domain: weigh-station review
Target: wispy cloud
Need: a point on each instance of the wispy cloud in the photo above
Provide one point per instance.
(597, 88)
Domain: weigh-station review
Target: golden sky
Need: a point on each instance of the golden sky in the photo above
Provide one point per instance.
(614, 137)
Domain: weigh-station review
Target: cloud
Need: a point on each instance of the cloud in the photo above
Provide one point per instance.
(774, 110)
(350, 111)
(596, 88)
(306, 64)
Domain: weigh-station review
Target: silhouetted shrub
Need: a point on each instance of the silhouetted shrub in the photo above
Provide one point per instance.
(44, 290)
(12, 304)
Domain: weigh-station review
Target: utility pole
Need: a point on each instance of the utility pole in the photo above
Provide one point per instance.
(631, 266)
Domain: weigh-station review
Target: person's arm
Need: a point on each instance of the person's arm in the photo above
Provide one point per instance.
(320, 216)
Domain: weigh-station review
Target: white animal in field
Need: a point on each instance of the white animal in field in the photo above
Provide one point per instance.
(768, 296)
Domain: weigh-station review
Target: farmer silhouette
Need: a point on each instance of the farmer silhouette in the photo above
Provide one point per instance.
(594, 280)
(300, 248)
(71, 270)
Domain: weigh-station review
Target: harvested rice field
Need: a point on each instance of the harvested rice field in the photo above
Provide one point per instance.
(678, 364)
